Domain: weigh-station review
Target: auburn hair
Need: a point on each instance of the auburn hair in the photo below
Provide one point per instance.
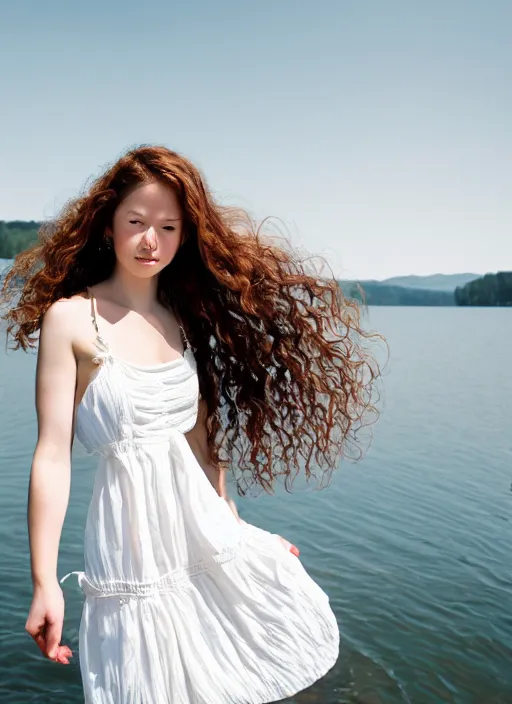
(283, 361)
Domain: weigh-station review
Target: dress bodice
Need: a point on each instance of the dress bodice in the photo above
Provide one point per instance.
(126, 402)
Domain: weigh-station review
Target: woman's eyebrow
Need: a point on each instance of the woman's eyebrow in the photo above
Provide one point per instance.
(141, 215)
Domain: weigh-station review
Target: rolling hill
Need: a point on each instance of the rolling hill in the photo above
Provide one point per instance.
(434, 282)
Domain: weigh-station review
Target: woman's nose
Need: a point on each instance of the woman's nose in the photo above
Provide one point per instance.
(150, 238)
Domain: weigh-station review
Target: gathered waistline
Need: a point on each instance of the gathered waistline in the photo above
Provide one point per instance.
(127, 443)
(173, 580)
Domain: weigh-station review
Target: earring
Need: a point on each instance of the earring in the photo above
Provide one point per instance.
(108, 241)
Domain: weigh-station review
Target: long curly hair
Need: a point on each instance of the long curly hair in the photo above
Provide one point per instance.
(281, 355)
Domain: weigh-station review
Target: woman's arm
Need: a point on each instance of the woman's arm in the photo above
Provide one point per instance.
(50, 476)
(197, 438)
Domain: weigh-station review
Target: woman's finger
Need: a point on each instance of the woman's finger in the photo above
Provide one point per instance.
(289, 546)
(54, 634)
(63, 655)
(41, 642)
(38, 633)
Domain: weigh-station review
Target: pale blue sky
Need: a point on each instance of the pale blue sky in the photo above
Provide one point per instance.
(378, 130)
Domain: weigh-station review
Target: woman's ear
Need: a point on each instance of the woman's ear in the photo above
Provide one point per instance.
(108, 232)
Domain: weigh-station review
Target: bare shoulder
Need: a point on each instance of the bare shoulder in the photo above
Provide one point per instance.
(65, 315)
(66, 321)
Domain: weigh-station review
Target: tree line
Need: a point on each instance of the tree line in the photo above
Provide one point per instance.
(376, 294)
(17, 235)
(489, 290)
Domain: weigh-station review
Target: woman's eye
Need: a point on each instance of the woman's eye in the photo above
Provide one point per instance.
(169, 228)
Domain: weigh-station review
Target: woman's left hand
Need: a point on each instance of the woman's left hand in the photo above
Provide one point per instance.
(290, 546)
(286, 543)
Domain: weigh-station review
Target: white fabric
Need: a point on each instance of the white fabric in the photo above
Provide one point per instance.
(183, 604)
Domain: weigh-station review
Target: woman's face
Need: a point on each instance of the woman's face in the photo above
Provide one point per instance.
(147, 229)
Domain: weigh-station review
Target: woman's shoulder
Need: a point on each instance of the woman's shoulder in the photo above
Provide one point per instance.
(66, 327)
(64, 310)
(66, 316)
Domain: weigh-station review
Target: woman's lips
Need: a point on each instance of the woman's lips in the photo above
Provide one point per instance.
(146, 260)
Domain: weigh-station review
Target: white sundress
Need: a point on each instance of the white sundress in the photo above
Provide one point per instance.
(183, 604)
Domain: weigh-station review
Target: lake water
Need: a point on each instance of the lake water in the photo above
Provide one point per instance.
(413, 545)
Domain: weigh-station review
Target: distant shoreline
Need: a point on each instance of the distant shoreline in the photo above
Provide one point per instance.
(437, 290)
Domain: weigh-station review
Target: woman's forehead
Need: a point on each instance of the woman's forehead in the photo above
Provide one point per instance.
(152, 198)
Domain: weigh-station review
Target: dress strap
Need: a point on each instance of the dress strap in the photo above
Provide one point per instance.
(186, 344)
(99, 339)
(93, 310)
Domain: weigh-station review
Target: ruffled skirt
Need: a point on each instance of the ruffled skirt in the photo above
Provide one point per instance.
(249, 627)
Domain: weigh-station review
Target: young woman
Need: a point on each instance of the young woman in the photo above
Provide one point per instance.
(177, 344)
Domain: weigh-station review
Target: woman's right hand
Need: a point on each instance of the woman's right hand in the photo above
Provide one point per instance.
(45, 621)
